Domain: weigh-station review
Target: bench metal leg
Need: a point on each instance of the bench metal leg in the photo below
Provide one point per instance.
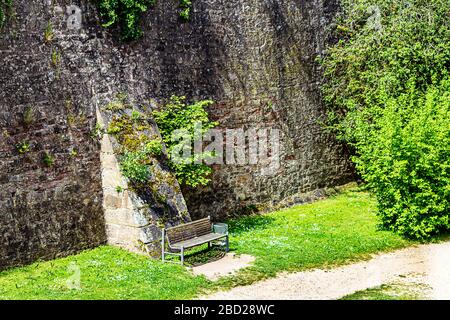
(162, 245)
(227, 244)
(209, 245)
(182, 256)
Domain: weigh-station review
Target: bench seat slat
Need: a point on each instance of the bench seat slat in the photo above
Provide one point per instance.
(189, 230)
(197, 241)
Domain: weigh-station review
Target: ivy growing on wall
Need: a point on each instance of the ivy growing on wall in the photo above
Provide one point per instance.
(138, 149)
(185, 9)
(179, 117)
(5, 5)
(126, 14)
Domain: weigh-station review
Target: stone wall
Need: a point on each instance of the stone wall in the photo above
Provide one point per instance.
(46, 209)
(256, 58)
(134, 217)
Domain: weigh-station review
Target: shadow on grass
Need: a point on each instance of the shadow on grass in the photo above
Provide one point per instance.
(204, 256)
(248, 223)
(200, 255)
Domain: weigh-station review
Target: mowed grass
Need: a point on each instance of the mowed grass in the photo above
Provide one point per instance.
(334, 231)
(330, 232)
(412, 291)
(105, 273)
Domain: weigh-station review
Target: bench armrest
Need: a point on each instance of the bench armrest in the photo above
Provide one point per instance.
(221, 228)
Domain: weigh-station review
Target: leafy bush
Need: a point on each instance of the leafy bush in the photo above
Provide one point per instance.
(177, 116)
(126, 14)
(405, 158)
(386, 85)
(135, 165)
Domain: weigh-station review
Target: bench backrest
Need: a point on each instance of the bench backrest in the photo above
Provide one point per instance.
(189, 230)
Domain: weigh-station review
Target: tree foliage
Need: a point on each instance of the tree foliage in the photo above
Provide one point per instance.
(387, 92)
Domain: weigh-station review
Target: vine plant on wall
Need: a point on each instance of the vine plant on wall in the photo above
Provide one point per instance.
(5, 6)
(126, 14)
(139, 150)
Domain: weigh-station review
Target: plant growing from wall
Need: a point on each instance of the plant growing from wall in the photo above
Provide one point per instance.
(120, 103)
(56, 62)
(126, 15)
(23, 147)
(48, 160)
(97, 132)
(136, 165)
(177, 115)
(388, 93)
(185, 9)
(5, 6)
(73, 153)
(132, 129)
(49, 33)
(28, 116)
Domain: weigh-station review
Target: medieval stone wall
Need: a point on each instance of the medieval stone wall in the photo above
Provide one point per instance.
(54, 208)
(255, 58)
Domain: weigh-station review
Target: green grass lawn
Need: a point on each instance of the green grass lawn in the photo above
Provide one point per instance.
(334, 231)
(326, 233)
(391, 292)
(105, 273)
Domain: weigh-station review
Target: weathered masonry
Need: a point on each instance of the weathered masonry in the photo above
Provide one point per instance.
(255, 58)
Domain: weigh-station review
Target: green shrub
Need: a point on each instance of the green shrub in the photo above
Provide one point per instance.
(185, 9)
(177, 115)
(135, 165)
(405, 159)
(126, 14)
(387, 92)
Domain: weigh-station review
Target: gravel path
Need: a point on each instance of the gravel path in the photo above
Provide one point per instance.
(430, 263)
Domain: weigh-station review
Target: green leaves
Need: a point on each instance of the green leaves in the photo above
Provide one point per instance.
(185, 9)
(5, 5)
(126, 14)
(177, 116)
(135, 165)
(405, 159)
(388, 96)
(132, 130)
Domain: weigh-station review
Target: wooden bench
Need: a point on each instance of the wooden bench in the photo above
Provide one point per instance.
(190, 235)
